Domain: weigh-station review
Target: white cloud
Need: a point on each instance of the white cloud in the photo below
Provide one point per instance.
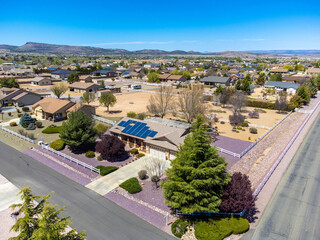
(253, 39)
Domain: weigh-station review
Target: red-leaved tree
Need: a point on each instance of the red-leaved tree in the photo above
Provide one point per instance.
(237, 195)
(110, 146)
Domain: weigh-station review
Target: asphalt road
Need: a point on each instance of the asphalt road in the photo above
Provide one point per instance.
(100, 217)
(294, 209)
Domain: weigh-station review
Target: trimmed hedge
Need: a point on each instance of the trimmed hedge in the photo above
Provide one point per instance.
(132, 185)
(90, 154)
(179, 227)
(101, 128)
(261, 104)
(13, 124)
(51, 130)
(58, 144)
(105, 170)
(139, 155)
(134, 151)
(99, 158)
(219, 229)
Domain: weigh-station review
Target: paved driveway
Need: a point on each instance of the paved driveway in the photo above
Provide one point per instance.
(294, 210)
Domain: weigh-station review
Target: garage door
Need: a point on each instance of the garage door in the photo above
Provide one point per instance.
(158, 153)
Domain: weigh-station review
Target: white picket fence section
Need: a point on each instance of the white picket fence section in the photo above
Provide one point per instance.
(101, 119)
(237, 155)
(17, 134)
(61, 154)
(266, 178)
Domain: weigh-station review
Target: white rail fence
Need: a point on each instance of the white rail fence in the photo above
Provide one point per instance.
(71, 159)
(101, 119)
(17, 135)
(237, 155)
(266, 178)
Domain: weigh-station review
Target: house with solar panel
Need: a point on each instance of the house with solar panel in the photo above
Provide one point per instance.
(156, 136)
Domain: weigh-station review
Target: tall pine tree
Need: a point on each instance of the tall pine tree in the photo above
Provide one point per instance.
(198, 174)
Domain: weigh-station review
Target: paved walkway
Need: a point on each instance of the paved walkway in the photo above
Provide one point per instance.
(109, 182)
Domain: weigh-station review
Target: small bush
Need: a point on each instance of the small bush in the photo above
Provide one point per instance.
(51, 130)
(13, 124)
(142, 174)
(139, 155)
(131, 114)
(101, 128)
(254, 114)
(222, 122)
(99, 158)
(134, 151)
(30, 135)
(20, 105)
(20, 115)
(9, 104)
(31, 126)
(39, 124)
(131, 185)
(9, 114)
(253, 130)
(141, 116)
(179, 227)
(90, 154)
(239, 128)
(25, 109)
(105, 170)
(57, 144)
(21, 132)
(245, 124)
(249, 138)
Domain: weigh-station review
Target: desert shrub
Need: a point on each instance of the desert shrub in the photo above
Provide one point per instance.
(50, 129)
(99, 158)
(253, 114)
(9, 104)
(25, 109)
(245, 124)
(139, 155)
(131, 185)
(110, 146)
(141, 116)
(142, 174)
(13, 124)
(20, 105)
(90, 154)
(57, 144)
(9, 114)
(21, 132)
(179, 227)
(101, 128)
(39, 124)
(31, 126)
(30, 135)
(134, 151)
(105, 170)
(131, 114)
(253, 130)
(222, 122)
(249, 138)
(239, 128)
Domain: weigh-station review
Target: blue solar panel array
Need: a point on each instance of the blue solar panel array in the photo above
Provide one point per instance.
(138, 129)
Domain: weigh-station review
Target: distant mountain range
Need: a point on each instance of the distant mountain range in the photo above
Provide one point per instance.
(44, 48)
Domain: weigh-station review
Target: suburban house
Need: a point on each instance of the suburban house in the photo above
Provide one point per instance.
(132, 75)
(156, 136)
(216, 80)
(109, 89)
(79, 106)
(313, 71)
(40, 81)
(104, 73)
(52, 109)
(279, 70)
(26, 98)
(298, 78)
(170, 77)
(61, 73)
(289, 87)
(85, 78)
(18, 96)
(81, 87)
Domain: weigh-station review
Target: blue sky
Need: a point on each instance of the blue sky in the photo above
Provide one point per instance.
(168, 25)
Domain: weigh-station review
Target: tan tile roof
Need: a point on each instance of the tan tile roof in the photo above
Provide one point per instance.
(81, 85)
(53, 105)
(280, 70)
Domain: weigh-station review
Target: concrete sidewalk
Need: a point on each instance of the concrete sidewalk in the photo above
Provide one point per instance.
(109, 182)
(8, 194)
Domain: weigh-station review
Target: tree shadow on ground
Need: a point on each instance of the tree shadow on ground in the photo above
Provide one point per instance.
(123, 157)
(251, 215)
